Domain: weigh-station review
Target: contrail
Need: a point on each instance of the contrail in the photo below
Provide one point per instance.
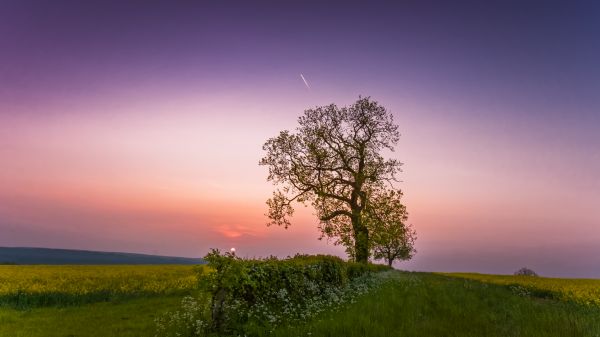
(306, 83)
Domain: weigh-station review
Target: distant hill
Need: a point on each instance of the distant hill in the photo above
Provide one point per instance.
(24, 255)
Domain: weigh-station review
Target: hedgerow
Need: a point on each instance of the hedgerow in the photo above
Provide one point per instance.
(251, 295)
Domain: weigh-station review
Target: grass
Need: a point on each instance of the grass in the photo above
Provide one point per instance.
(582, 291)
(424, 304)
(35, 286)
(129, 318)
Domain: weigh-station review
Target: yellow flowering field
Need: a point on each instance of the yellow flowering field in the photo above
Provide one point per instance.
(582, 291)
(41, 285)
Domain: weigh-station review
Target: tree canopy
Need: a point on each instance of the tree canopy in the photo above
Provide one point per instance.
(392, 238)
(333, 161)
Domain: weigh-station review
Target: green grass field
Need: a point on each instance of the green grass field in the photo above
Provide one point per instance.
(582, 291)
(409, 304)
(128, 318)
(425, 304)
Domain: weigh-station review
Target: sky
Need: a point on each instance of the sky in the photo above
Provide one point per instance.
(137, 127)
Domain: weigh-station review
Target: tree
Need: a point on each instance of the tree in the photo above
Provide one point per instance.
(392, 238)
(331, 162)
(525, 272)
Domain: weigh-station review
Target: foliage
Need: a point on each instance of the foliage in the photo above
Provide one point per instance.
(580, 291)
(355, 269)
(391, 238)
(526, 272)
(331, 162)
(192, 319)
(250, 295)
(32, 286)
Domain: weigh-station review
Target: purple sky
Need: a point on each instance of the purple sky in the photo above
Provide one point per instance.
(138, 127)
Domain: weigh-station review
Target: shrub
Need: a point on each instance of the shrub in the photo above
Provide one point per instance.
(190, 320)
(358, 269)
(264, 292)
(525, 272)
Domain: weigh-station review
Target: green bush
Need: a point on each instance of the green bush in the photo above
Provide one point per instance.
(358, 269)
(247, 292)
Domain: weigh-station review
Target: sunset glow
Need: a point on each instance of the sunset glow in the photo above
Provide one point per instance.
(145, 135)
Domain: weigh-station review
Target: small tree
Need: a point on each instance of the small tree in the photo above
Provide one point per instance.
(331, 162)
(391, 238)
(525, 272)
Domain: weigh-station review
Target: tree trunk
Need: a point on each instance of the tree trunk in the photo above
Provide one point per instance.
(361, 240)
(390, 261)
(218, 313)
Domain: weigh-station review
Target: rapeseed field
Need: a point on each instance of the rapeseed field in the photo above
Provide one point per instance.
(41, 285)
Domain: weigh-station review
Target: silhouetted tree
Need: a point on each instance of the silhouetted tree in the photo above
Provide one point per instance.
(525, 272)
(331, 161)
(391, 237)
